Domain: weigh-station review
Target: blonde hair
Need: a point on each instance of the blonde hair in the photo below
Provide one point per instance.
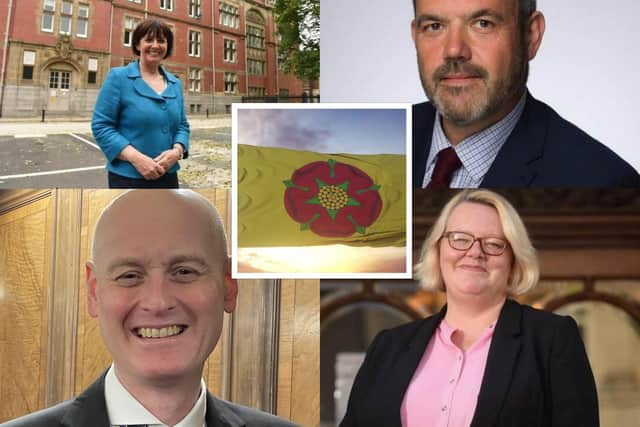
(524, 271)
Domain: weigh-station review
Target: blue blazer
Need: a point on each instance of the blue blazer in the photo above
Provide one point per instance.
(128, 111)
(544, 150)
(537, 373)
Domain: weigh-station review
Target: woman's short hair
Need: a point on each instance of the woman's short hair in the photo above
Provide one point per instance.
(154, 28)
(524, 271)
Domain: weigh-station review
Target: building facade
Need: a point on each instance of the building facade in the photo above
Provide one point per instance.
(55, 54)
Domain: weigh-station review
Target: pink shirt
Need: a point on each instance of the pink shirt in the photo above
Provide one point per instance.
(444, 389)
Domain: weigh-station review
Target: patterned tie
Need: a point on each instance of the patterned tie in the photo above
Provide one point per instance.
(447, 163)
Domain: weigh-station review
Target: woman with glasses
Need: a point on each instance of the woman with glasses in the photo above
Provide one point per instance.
(483, 360)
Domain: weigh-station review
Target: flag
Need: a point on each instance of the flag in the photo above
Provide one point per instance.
(300, 198)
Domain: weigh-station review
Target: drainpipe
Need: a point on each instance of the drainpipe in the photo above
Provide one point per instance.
(276, 43)
(213, 55)
(243, 25)
(110, 46)
(5, 44)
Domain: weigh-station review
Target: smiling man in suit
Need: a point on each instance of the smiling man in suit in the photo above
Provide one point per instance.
(158, 284)
(482, 127)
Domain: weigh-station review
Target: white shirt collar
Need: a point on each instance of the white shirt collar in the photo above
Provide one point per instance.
(124, 409)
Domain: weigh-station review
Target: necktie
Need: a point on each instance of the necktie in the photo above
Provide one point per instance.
(447, 163)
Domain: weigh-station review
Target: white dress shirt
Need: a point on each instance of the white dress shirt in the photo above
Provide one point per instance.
(124, 409)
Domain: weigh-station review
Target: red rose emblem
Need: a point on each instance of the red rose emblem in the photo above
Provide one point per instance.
(332, 199)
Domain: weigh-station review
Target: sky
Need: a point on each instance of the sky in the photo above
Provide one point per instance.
(316, 260)
(326, 130)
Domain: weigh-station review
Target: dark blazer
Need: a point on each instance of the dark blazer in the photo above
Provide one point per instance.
(90, 410)
(544, 150)
(537, 373)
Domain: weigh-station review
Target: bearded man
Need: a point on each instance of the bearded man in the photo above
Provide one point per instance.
(482, 128)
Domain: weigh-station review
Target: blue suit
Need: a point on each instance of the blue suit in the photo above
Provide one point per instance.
(128, 111)
(544, 150)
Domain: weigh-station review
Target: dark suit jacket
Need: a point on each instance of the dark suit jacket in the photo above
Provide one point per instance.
(537, 373)
(544, 150)
(90, 410)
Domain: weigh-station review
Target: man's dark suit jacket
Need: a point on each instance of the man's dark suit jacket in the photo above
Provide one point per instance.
(544, 150)
(537, 373)
(90, 410)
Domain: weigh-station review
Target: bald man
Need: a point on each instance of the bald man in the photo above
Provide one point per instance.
(158, 284)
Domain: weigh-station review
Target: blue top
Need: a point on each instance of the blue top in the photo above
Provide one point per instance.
(128, 111)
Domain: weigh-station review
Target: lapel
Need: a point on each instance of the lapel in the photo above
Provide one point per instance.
(219, 415)
(407, 362)
(423, 116)
(89, 409)
(501, 361)
(519, 160)
(143, 89)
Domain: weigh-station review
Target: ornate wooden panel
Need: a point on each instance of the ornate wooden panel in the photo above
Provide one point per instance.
(299, 352)
(25, 257)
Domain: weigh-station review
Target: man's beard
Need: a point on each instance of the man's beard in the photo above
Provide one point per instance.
(493, 96)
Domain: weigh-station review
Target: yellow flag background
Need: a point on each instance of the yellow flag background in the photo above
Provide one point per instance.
(263, 219)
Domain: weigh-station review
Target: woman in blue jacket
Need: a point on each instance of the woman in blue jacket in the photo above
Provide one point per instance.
(139, 120)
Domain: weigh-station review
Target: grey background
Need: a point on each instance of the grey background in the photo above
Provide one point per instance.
(586, 69)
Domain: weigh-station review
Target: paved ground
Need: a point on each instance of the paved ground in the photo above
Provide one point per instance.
(64, 154)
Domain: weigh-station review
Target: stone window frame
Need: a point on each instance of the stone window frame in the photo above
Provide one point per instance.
(230, 78)
(257, 91)
(80, 18)
(195, 79)
(229, 15)
(194, 43)
(66, 16)
(166, 5)
(137, 21)
(255, 36)
(89, 70)
(25, 64)
(258, 67)
(48, 12)
(194, 8)
(233, 50)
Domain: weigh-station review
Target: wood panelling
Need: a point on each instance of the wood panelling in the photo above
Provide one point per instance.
(610, 263)
(64, 295)
(299, 364)
(255, 344)
(51, 350)
(25, 259)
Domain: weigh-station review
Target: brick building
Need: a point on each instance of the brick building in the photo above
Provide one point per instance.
(55, 54)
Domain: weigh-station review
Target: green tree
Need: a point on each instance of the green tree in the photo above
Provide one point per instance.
(298, 25)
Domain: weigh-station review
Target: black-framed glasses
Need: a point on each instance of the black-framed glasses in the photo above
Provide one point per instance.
(461, 241)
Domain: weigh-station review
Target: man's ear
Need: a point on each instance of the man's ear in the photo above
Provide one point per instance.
(413, 30)
(230, 289)
(535, 31)
(92, 287)
(230, 293)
